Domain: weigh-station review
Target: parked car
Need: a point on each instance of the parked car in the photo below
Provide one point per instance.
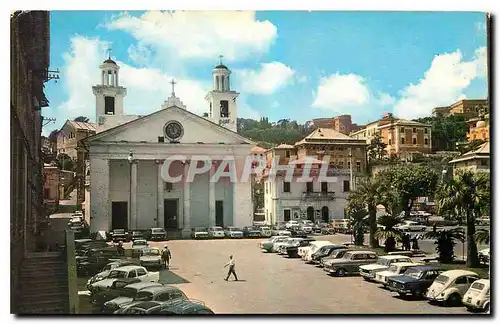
(233, 232)
(298, 232)
(83, 245)
(216, 232)
(291, 224)
(265, 231)
(151, 258)
(292, 242)
(162, 293)
(411, 226)
(136, 235)
(199, 233)
(284, 233)
(415, 281)
(325, 251)
(117, 288)
(174, 307)
(395, 269)
(138, 246)
(313, 247)
(292, 250)
(484, 256)
(107, 269)
(277, 246)
(251, 232)
(93, 260)
(335, 254)
(478, 296)
(267, 245)
(156, 234)
(349, 263)
(120, 234)
(368, 271)
(128, 296)
(450, 287)
(124, 272)
(328, 231)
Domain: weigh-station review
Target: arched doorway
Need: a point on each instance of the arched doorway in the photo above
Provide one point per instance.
(324, 214)
(310, 213)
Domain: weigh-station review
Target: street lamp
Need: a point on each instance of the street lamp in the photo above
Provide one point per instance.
(444, 172)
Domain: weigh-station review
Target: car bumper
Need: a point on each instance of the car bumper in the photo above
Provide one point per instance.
(473, 302)
(367, 275)
(237, 235)
(437, 298)
(151, 264)
(158, 237)
(217, 236)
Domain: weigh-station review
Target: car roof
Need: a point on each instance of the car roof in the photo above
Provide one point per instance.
(426, 268)
(156, 289)
(405, 264)
(457, 273)
(147, 304)
(392, 257)
(141, 285)
(360, 251)
(128, 267)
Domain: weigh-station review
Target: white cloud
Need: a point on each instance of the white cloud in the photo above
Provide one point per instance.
(140, 54)
(341, 91)
(200, 34)
(302, 78)
(268, 79)
(442, 84)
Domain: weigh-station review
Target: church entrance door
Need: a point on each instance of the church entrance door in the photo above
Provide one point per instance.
(170, 213)
(219, 213)
(119, 215)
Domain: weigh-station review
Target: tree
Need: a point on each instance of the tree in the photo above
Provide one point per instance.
(409, 181)
(376, 148)
(467, 193)
(446, 131)
(357, 221)
(445, 242)
(64, 162)
(366, 195)
(388, 233)
(82, 119)
(482, 236)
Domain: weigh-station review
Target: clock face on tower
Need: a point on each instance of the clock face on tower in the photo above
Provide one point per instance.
(173, 130)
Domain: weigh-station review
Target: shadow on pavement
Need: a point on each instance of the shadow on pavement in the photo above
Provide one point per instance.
(170, 278)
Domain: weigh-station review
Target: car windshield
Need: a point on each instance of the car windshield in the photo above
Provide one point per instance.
(442, 279)
(107, 267)
(143, 296)
(150, 252)
(477, 285)
(139, 242)
(118, 231)
(157, 230)
(117, 274)
(384, 262)
(233, 229)
(393, 268)
(136, 233)
(129, 292)
(217, 228)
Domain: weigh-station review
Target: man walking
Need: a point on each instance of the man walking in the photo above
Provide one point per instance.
(166, 255)
(231, 269)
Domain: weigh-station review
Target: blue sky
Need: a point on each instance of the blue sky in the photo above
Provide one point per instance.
(285, 64)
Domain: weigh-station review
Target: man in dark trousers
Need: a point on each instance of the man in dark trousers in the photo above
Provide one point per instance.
(120, 249)
(231, 268)
(166, 255)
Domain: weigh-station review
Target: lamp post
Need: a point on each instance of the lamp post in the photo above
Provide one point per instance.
(444, 172)
(130, 161)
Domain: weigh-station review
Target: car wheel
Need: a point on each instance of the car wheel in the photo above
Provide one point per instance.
(340, 272)
(402, 294)
(453, 300)
(417, 293)
(487, 308)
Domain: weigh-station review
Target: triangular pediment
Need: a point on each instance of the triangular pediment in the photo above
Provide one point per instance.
(149, 128)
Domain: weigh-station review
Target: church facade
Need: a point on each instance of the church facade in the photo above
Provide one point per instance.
(127, 162)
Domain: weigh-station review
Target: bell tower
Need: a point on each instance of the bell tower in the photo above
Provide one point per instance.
(109, 94)
(222, 100)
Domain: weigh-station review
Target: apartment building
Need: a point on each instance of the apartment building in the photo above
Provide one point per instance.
(479, 128)
(475, 161)
(318, 199)
(469, 108)
(342, 124)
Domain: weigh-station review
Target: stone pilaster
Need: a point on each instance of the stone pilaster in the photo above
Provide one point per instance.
(186, 230)
(133, 195)
(99, 195)
(159, 194)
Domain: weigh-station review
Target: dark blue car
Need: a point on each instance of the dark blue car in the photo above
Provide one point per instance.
(415, 281)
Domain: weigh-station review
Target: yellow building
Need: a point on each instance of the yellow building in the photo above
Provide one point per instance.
(479, 128)
(475, 161)
(465, 107)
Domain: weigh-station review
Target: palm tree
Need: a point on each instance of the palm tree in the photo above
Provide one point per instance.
(357, 217)
(388, 233)
(482, 236)
(470, 195)
(366, 195)
(445, 241)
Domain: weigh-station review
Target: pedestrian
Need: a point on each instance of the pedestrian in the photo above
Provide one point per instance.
(231, 268)
(120, 249)
(415, 244)
(434, 228)
(166, 255)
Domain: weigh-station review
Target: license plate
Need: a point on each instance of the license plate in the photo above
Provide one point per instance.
(469, 299)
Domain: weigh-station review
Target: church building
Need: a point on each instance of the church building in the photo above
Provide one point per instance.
(127, 155)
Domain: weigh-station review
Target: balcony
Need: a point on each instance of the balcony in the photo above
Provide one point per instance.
(330, 195)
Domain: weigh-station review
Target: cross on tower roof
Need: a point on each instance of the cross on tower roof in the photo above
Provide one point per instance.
(109, 50)
(220, 58)
(173, 84)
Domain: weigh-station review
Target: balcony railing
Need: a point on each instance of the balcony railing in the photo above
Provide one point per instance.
(330, 195)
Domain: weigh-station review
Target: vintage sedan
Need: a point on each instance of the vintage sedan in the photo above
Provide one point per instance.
(157, 234)
(251, 232)
(151, 258)
(162, 293)
(138, 246)
(127, 296)
(199, 233)
(484, 256)
(233, 232)
(478, 296)
(411, 226)
(216, 232)
(349, 263)
(136, 235)
(292, 242)
(107, 269)
(265, 231)
(414, 281)
(124, 272)
(335, 254)
(368, 271)
(450, 287)
(120, 234)
(267, 245)
(325, 251)
(395, 269)
(118, 288)
(174, 307)
(312, 248)
(292, 250)
(277, 246)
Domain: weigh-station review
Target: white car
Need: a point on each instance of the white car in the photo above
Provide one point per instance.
(199, 233)
(216, 232)
(313, 247)
(484, 255)
(267, 245)
(283, 233)
(478, 296)
(265, 231)
(233, 232)
(138, 245)
(151, 257)
(291, 224)
(397, 268)
(411, 226)
(369, 271)
(125, 272)
(450, 286)
(277, 245)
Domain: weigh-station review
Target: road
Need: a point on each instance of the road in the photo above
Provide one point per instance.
(271, 284)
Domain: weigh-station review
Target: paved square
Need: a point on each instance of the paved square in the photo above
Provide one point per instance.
(273, 284)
